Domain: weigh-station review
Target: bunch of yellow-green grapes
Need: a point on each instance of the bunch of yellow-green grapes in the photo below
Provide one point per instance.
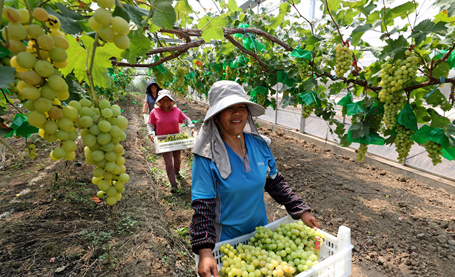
(110, 29)
(394, 75)
(361, 152)
(102, 131)
(39, 80)
(179, 81)
(403, 142)
(260, 99)
(344, 59)
(31, 151)
(434, 150)
(285, 251)
(307, 110)
(175, 137)
(230, 73)
(304, 68)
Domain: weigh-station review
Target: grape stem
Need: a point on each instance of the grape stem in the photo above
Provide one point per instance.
(8, 100)
(1, 12)
(30, 20)
(333, 19)
(11, 148)
(311, 24)
(89, 67)
(385, 25)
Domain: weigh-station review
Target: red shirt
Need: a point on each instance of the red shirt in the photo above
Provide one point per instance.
(166, 122)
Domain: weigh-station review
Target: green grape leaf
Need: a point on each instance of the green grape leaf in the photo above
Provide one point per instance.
(284, 8)
(164, 14)
(309, 84)
(131, 13)
(441, 70)
(153, 28)
(139, 46)
(437, 99)
(355, 5)
(276, 21)
(232, 6)
(335, 88)
(427, 26)
(333, 5)
(260, 90)
(450, 130)
(7, 74)
(101, 62)
(402, 10)
(69, 12)
(182, 10)
(213, 28)
(358, 130)
(366, 10)
(226, 48)
(437, 120)
(358, 32)
(69, 25)
(395, 49)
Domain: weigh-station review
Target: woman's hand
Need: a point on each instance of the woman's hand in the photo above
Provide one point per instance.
(207, 265)
(309, 220)
(152, 138)
(192, 132)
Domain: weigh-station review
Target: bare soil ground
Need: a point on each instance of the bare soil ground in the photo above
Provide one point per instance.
(50, 226)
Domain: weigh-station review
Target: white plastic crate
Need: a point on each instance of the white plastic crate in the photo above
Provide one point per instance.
(335, 253)
(162, 147)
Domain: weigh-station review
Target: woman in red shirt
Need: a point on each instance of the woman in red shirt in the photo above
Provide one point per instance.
(165, 120)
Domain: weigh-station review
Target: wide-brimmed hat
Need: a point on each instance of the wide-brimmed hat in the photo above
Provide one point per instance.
(164, 93)
(224, 94)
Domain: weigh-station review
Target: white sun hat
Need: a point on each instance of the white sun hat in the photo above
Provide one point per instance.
(209, 143)
(224, 94)
(164, 93)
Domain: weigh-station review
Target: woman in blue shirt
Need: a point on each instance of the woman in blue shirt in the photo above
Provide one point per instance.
(150, 97)
(232, 166)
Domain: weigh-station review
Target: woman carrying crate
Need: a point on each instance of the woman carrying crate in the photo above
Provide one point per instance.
(232, 166)
(165, 120)
(151, 94)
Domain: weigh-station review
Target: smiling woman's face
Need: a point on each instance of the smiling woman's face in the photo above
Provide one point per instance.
(232, 120)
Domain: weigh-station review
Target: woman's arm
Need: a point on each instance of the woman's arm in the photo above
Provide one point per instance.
(151, 130)
(283, 194)
(203, 235)
(187, 121)
(145, 108)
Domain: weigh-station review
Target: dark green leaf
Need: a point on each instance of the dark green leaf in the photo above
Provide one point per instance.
(131, 13)
(69, 13)
(358, 32)
(69, 25)
(7, 74)
(437, 120)
(309, 84)
(427, 26)
(441, 70)
(164, 14)
(139, 46)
